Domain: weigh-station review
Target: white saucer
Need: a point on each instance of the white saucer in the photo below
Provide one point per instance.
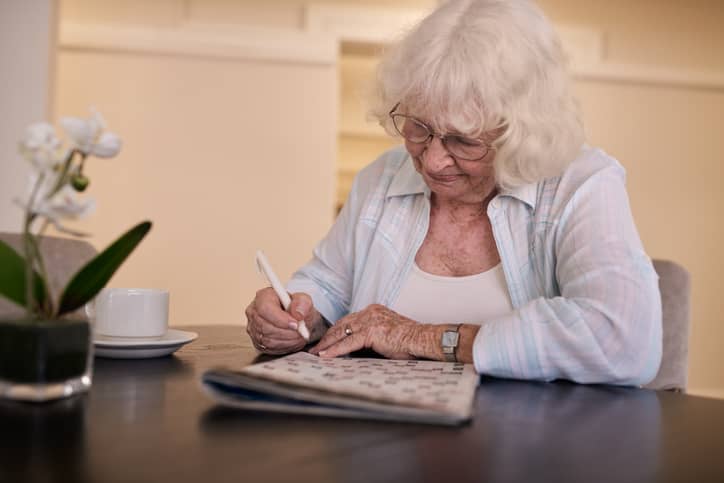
(127, 348)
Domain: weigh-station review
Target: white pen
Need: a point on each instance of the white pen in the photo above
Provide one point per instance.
(264, 267)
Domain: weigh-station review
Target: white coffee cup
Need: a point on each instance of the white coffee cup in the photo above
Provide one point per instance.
(130, 312)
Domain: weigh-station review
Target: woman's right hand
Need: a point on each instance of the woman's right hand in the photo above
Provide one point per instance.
(273, 330)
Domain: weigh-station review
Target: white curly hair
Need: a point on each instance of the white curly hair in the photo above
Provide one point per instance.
(473, 66)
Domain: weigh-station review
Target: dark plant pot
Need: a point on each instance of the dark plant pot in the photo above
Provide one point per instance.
(44, 359)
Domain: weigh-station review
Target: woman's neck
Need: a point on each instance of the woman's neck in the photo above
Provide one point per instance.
(462, 212)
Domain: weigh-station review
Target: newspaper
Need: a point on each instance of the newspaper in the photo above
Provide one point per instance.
(414, 391)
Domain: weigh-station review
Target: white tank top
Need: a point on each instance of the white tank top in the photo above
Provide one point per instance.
(434, 299)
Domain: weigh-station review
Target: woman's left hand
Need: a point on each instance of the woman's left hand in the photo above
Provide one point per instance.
(376, 327)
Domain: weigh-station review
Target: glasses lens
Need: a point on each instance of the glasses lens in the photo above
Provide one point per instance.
(410, 129)
(466, 148)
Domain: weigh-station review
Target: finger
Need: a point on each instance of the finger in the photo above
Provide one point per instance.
(281, 351)
(269, 307)
(272, 332)
(279, 346)
(334, 334)
(257, 323)
(301, 305)
(328, 340)
(264, 334)
(260, 326)
(247, 311)
(349, 344)
(274, 343)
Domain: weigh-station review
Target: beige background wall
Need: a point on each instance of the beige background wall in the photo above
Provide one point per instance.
(653, 96)
(221, 155)
(228, 146)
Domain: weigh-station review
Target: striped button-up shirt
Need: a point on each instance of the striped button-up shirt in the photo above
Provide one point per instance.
(586, 303)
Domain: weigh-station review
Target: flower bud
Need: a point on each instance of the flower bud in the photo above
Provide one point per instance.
(79, 182)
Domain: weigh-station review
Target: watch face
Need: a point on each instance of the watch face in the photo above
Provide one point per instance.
(450, 339)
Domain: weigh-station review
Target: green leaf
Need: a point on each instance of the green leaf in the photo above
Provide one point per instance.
(95, 274)
(12, 278)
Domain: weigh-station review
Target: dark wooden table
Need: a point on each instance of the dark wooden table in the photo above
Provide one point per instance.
(147, 421)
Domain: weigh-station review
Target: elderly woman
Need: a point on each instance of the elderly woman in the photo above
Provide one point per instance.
(496, 236)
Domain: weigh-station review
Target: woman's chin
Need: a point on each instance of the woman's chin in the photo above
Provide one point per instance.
(450, 191)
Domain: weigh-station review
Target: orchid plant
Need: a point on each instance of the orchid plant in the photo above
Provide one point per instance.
(56, 182)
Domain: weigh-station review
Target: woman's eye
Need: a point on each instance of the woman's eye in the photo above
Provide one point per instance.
(467, 141)
(415, 130)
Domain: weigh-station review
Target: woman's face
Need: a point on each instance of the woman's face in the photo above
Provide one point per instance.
(453, 179)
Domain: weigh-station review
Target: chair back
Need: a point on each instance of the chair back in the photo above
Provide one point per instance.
(63, 258)
(675, 287)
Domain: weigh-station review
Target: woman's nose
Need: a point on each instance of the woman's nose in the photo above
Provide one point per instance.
(436, 155)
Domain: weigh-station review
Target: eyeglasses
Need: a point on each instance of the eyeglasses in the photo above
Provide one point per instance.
(417, 132)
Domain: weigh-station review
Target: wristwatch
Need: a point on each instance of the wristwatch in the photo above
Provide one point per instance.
(449, 343)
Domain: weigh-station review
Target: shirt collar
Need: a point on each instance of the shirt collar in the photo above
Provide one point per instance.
(407, 181)
(526, 193)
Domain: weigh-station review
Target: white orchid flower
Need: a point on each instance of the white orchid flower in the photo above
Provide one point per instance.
(108, 145)
(88, 135)
(40, 145)
(40, 185)
(64, 204)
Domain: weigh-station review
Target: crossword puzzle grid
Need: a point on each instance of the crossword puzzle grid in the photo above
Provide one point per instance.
(437, 385)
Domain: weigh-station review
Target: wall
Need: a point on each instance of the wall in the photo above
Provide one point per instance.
(229, 144)
(27, 41)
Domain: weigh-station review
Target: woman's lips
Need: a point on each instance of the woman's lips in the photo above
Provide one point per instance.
(444, 178)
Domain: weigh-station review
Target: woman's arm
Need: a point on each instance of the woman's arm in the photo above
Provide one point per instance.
(606, 324)
(392, 335)
(428, 343)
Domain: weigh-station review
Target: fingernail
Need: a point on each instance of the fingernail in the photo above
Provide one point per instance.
(293, 325)
(323, 353)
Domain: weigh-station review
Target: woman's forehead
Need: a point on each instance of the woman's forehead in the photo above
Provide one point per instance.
(447, 124)
(446, 118)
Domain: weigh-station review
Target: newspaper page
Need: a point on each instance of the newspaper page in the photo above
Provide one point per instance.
(438, 386)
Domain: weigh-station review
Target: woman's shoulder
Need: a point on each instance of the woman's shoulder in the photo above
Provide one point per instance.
(589, 170)
(591, 163)
(592, 172)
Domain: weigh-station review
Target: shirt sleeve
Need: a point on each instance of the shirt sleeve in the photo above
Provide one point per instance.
(605, 327)
(328, 277)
